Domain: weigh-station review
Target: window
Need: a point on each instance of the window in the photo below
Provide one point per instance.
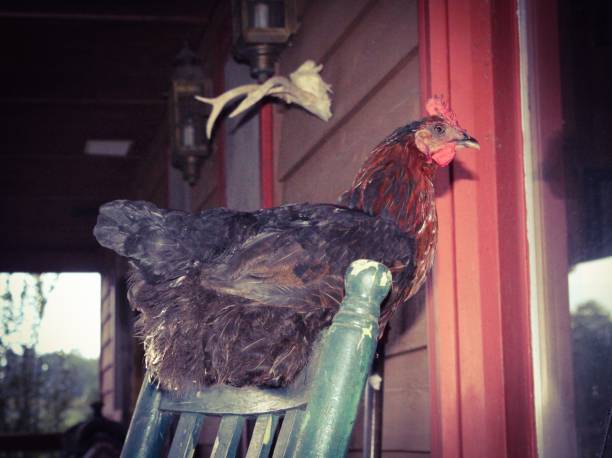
(569, 198)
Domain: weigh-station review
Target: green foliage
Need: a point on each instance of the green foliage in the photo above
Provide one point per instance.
(47, 393)
(592, 358)
(38, 393)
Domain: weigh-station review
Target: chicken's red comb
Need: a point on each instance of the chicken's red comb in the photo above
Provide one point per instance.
(437, 106)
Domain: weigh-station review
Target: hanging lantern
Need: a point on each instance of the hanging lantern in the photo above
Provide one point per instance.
(188, 117)
(261, 30)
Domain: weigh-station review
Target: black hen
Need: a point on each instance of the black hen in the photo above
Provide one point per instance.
(239, 298)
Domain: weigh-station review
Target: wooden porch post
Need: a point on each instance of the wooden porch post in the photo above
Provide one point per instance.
(481, 376)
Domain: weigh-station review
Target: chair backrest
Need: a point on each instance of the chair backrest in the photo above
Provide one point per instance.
(316, 412)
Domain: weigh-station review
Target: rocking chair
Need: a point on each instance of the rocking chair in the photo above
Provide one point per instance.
(316, 412)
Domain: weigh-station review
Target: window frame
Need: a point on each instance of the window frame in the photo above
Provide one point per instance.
(547, 232)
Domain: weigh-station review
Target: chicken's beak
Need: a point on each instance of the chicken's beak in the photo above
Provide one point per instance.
(468, 142)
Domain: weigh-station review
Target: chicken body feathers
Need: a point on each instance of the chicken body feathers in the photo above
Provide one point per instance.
(237, 297)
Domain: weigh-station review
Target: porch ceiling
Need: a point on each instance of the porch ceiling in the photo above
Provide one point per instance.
(74, 71)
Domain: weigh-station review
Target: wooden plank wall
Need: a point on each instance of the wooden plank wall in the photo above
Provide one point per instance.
(370, 53)
(107, 349)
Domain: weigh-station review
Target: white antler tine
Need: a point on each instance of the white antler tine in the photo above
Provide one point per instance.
(304, 87)
(214, 113)
(273, 86)
(218, 103)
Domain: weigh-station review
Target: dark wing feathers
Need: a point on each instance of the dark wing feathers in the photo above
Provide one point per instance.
(165, 244)
(271, 256)
(302, 252)
(239, 298)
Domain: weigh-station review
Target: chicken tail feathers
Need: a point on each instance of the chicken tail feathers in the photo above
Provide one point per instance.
(153, 239)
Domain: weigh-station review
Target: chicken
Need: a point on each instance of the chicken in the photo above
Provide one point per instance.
(240, 297)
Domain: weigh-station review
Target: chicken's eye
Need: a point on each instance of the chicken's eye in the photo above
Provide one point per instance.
(438, 129)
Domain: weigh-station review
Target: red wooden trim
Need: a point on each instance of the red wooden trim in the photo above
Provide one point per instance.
(266, 154)
(442, 319)
(481, 380)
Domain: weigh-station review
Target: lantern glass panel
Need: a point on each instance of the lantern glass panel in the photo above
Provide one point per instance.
(266, 14)
(191, 117)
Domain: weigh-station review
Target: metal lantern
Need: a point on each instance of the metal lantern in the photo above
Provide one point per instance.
(261, 30)
(190, 145)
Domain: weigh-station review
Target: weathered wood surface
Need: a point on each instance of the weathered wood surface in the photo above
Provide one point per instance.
(186, 436)
(331, 168)
(344, 362)
(331, 387)
(287, 437)
(263, 436)
(149, 425)
(228, 400)
(359, 60)
(228, 437)
(408, 392)
(203, 192)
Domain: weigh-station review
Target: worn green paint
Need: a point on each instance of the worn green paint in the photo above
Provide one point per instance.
(331, 386)
(248, 400)
(186, 436)
(285, 444)
(344, 361)
(263, 436)
(149, 425)
(228, 437)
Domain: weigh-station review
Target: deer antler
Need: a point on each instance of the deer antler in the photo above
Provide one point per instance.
(218, 103)
(304, 87)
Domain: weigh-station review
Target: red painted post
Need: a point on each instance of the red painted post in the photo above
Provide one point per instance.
(480, 369)
(266, 155)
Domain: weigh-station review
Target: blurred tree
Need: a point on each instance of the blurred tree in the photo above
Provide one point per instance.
(69, 385)
(23, 298)
(38, 393)
(592, 358)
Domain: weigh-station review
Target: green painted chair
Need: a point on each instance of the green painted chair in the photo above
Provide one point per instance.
(316, 412)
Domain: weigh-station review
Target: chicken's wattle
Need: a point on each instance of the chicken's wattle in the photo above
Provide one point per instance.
(444, 155)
